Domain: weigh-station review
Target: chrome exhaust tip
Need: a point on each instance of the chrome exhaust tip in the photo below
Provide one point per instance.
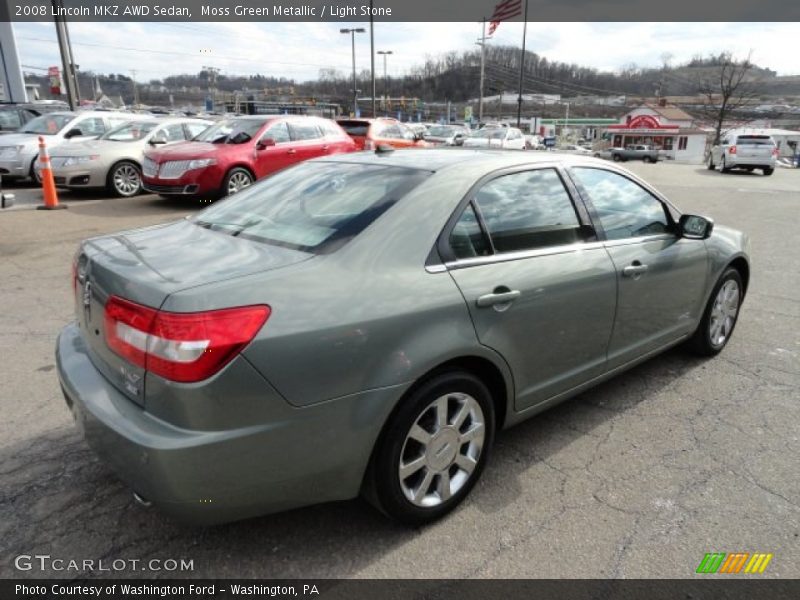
(142, 501)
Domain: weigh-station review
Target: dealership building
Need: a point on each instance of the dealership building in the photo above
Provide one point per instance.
(668, 128)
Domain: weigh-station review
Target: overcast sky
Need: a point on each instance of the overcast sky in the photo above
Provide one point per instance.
(300, 50)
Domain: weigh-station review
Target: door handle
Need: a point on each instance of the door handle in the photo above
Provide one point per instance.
(634, 270)
(325, 147)
(291, 151)
(498, 297)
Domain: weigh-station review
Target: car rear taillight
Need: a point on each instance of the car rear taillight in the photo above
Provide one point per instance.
(732, 150)
(775, 152)
(182, 347)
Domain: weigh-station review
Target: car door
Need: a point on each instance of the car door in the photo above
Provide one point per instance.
(275, 154)
(540, 289)
(660, 275)
(307, 139)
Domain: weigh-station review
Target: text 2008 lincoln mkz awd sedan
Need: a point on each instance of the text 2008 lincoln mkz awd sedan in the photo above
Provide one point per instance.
(368, 322)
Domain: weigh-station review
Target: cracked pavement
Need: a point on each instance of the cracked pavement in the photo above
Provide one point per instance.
(637, 478)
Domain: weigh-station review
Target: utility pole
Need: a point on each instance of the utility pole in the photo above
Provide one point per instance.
(353, 33)
(385, 53)
(522, 64)
(66, 55)
(482, 43)
(372, 56)
(212, 82)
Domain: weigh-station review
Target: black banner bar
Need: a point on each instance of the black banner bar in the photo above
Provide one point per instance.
(702, 588)
(402, 10)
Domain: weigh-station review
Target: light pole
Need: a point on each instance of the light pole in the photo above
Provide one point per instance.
(353, 33)
(385, 53)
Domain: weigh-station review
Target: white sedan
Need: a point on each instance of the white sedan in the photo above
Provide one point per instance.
(509, 138)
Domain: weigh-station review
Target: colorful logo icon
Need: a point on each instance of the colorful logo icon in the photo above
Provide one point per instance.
(734, 562)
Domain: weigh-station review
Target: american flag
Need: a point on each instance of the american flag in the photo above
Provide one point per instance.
(507, 9)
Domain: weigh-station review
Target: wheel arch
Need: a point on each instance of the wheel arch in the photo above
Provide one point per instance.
(743, 267)
(240, 165)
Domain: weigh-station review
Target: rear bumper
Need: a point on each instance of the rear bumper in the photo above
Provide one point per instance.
(743, 161)
(305, 456)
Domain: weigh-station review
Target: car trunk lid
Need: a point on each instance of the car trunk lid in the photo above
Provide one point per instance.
(145, 266)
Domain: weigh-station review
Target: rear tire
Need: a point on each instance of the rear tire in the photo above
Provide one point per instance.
(723, 168)
(720, 316)
(647, 159)
(616, 157)
(768, 170)
(433, 449)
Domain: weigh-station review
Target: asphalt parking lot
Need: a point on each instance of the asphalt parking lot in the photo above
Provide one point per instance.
(637, 478)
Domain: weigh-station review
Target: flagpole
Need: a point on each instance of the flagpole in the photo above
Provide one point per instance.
(522, 64)
(483, 62)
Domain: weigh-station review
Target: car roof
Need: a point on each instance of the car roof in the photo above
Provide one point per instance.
(425, 159)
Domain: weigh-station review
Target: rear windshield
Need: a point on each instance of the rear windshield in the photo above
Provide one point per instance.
(355, 127)
(756, 140)
(315, 207)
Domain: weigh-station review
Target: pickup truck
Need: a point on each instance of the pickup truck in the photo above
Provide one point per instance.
(636, 152)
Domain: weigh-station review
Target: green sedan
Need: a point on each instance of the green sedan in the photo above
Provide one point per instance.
(368, 323)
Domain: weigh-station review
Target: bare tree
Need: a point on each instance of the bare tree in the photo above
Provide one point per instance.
(726, 87)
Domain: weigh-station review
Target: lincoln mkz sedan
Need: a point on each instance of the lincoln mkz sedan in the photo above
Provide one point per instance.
(367, 323)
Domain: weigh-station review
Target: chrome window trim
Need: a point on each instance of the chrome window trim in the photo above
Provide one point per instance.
(639, 239)
(521, 255)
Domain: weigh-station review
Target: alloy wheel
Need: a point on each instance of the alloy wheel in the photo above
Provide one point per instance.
(723, 313)
(442, 449)
(238, 181)
(126, 180)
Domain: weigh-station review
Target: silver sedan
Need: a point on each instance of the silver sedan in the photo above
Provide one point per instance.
(114, 160)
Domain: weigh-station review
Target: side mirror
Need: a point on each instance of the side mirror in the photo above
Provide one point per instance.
(74, 132)
(695, 227)
(157, 141)
(265, 143)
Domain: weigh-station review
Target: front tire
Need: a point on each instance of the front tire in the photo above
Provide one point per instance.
(720, 316)
(616, 157)
(433, 450)
(124, 179)
(236, 180)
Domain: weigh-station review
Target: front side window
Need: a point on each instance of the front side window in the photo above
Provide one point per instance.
(528, 210)
(314, 207)
(278, 132)
(91, 126)
(130, 131)
(231, 131)
(625, 208)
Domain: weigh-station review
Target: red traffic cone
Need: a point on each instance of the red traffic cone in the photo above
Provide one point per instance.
(48, 183)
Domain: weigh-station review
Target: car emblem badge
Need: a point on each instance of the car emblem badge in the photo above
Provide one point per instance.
(87, 299)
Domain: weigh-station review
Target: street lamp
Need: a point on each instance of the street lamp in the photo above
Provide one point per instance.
(385, 53)
(353, 33)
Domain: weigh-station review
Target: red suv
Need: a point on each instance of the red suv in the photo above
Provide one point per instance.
(234, 152)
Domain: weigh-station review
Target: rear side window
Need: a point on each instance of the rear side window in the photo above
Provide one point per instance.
(195, 129)
(303, 131)
(467, 239)
(625, 208)
(528, 210)
(315, 207)
(329, 128)
(359, 128)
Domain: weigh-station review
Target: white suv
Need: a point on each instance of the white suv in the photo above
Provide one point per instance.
(747, 151)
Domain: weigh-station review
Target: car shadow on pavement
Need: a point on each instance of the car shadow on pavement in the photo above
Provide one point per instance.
(59, 499)
(715, 173)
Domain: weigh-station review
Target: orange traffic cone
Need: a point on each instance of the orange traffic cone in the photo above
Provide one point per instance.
(48, 183)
